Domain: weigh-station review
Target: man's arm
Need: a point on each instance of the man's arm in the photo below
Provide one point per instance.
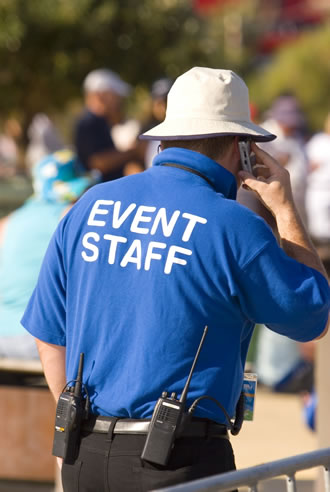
(112, 160)
(53, 362)
(273, 189)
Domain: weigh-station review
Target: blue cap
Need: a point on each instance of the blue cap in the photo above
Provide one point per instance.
(57, 177)
(286, 110)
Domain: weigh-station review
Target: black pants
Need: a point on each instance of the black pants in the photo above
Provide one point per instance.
(112, 463)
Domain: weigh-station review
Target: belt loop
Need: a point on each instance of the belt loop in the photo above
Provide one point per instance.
(113, 422)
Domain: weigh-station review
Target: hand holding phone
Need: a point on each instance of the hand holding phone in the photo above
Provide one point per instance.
(271, 182)
(248, 159)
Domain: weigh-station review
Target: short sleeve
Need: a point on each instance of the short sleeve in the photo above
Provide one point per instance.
(45, 314)
(287, 296)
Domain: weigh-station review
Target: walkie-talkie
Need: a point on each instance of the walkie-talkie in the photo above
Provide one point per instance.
(71, 409)
(166, 420)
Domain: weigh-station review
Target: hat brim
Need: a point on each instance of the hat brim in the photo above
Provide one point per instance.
(179, 129)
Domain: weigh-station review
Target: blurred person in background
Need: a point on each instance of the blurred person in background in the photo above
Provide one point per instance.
(280, 361)
(159, 90)
(9, 150)
(24, 237)
(309, 409)
(124, 136)
(318, 220)
(286, 120)
(104, 93)
(43, 139)
(318, 192)
(158, 96)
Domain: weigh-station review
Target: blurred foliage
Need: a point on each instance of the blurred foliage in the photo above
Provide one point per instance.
(48, 46)
(302, 67)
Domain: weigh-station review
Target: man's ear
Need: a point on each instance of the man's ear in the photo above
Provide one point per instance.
(232, 153)
(236, 148)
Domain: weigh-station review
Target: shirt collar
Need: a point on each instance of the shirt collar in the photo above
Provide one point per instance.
(222, 180)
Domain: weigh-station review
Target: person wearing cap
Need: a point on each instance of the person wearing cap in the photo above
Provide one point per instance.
(44, 138)
(280, 361)
(286, 118)
(141, 265)
(24, 237)
(318, 186)
(159, 90)
(104, 94)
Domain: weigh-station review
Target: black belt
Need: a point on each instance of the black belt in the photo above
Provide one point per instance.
(195, 428)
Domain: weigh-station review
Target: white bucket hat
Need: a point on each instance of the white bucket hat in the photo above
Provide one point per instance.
(207, 102)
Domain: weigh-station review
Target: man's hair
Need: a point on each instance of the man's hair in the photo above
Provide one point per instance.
(212, 147)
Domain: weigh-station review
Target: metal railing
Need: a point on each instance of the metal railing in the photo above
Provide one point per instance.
(250, 477)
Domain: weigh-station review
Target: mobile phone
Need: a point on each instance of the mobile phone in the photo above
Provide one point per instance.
(247, 158)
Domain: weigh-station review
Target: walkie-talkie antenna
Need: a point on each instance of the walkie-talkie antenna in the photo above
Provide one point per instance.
(186, 386)
(78, 385)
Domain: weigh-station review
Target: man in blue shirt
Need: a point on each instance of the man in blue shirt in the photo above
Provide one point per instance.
(140, 265)
(104, 93)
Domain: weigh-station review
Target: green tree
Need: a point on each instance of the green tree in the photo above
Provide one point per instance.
(47, 47)
(303, 68)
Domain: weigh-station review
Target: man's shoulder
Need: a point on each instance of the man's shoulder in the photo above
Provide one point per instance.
(243, 226)
(237, 211)
(102, 191)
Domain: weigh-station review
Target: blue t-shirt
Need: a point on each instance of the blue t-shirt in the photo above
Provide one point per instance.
(92, 136)
(140, 265)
